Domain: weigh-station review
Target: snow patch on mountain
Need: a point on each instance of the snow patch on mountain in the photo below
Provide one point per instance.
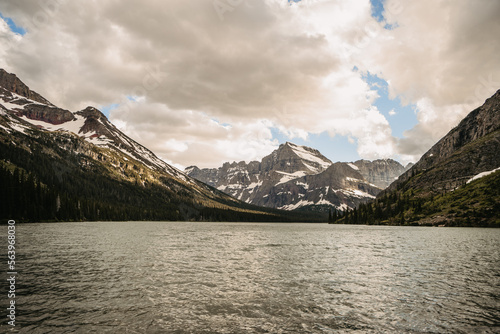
(483, 174)
(307, 154)
(304, 185)
(289, 176)
(353, 179)
(297, 205)
(357, 193)
(11, 106)
(251, 187)
(71, 126)
(353, 166)
(18, 127)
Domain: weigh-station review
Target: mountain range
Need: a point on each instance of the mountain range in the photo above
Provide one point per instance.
(299, 177)
(61, 165)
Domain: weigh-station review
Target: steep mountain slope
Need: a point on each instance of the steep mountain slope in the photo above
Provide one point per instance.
(77, 165)
(294, 177)
(380, 172)
(467, 150)
(444, 186)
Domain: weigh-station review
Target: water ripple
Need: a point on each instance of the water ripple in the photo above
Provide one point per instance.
(256, 278)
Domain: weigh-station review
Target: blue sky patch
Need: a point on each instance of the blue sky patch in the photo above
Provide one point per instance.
(107, 109)
(378, 13)
(13, 26)
(378, 9)
(400, 118)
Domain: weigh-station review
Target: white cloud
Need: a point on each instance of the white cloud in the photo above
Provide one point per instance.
(184, 137)
(442, 57)
(8, 39)
(265, 64)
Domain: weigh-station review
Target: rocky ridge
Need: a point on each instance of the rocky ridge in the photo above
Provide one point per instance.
(452, 161)
(294, 177)
(10, 84)
(381, 172)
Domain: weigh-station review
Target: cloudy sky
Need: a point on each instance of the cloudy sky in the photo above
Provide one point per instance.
(207, 81)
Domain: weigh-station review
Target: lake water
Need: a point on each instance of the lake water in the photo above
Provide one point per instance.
(152, 277)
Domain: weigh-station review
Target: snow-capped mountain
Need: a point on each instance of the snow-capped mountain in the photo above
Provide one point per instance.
(339, 186)
(93, 169)
(89, 124)
(296, 176)
(250, 182)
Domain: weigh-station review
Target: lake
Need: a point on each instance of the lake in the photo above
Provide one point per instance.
(182, 277)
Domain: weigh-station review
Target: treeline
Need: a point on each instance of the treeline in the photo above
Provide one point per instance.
(390, 208)
(24, 198)
(474, 204)
(47, 183)
(40, 181)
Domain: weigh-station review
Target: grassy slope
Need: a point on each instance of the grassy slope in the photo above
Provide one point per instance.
(474, 204)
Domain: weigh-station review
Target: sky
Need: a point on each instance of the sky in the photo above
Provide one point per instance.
(202, 82)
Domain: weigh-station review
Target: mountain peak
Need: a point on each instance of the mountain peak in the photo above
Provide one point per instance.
(295, 176)
(12, 84)
(29, 105)
(290, 158)
(91, 112)
(286, 146)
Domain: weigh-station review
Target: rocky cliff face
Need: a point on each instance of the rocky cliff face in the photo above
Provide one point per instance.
(468, 149)
(339, 186)
(10, 84)
(43, 113)
(380, 172)
(456, 182)
(294, 177)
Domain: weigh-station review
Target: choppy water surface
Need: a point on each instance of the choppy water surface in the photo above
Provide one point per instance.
(145, 277)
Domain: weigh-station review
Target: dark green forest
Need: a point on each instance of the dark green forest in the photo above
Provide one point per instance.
(41, 181)
(474, 204)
